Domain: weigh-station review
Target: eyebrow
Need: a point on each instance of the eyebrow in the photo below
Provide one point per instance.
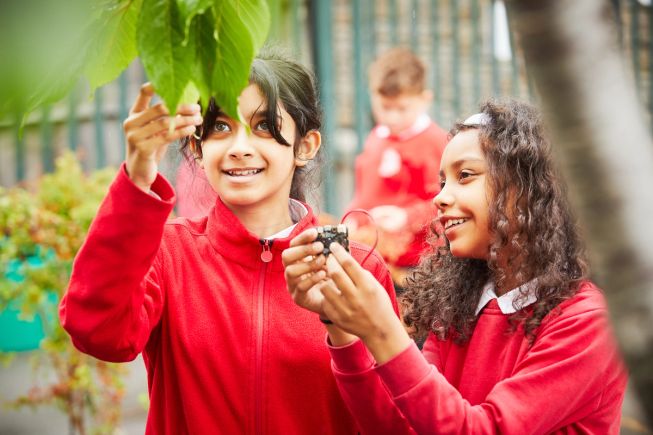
(460, 162)
(261, 113)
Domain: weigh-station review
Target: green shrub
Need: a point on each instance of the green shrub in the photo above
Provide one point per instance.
(42, 227)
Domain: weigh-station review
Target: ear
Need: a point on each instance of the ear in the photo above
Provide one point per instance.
(308, 148)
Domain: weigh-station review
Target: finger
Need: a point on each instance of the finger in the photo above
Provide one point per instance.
(162, 125)
(354, 271)
(163, 138)
(143, 99)
(299, 253)
(139, 119)
(305, 237)
(309, 281)
(189, 109)
(339, 276)
(299, 268)
(335, 306)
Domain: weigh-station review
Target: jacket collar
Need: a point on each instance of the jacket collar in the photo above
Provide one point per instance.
(230, 238)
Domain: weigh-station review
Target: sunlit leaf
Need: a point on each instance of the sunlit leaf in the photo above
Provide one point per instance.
(241, 31)
(113, 43)
(168, 63)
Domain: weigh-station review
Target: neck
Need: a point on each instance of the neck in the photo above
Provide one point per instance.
(263, 221)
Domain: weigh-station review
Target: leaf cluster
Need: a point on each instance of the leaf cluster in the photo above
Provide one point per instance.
(190, 49)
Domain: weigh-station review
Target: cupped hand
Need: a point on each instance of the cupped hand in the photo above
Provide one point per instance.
(358, 303)
(305, 270)
(148, 134)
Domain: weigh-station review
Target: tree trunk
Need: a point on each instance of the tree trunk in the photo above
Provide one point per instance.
(602, 143)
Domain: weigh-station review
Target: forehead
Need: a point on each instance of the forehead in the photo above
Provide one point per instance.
(252, 99)
(463, 146)
(400, 100)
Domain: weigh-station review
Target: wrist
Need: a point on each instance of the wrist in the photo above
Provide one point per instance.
(142, 176)
(338, 337)
(387, 342)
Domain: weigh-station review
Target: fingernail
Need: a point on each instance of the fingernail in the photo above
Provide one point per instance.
(318, 246)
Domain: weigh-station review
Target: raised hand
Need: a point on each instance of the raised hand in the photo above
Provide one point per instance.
(356, 302)
(148, 133)
(305, 270)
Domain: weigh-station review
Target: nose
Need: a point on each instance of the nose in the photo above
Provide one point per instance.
(240, 147)
(443, 199)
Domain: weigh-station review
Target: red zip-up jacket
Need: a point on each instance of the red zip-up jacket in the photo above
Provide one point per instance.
(226, 349)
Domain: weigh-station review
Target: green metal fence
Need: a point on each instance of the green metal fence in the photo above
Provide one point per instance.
(466, 44)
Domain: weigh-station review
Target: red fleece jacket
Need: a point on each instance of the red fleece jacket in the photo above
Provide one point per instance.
(226, 349)
(412, 187)
(572, 379)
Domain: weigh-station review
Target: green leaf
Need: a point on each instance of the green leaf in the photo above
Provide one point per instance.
(242, 27)
(202, 31)
(113, 42)
(167, 62)
(188, 9)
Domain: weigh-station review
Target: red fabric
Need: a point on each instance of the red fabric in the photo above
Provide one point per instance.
(572, 379)
(411, 188)
(226, 349)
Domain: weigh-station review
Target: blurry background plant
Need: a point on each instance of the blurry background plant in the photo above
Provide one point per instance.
(42, 227)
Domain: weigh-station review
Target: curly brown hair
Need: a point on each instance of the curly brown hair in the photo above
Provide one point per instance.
(532, 226)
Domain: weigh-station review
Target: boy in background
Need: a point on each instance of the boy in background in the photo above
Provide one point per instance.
(397, 172)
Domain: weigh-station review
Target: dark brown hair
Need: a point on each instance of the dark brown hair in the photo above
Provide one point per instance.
(397, 71)
(531, 223)
(283, 81)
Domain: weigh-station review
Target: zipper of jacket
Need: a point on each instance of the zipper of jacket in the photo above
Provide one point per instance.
(266, 257)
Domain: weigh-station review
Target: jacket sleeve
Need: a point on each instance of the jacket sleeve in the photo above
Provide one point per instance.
(559, 382)
(355, 376)
(115, 296)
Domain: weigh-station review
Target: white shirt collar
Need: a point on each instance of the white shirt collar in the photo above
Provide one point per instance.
(421, 124)
(297, 213)
(508, 300)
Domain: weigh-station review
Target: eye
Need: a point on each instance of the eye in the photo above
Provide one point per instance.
(465, 175)
(221, 127)
(262, 126)
(442, 183)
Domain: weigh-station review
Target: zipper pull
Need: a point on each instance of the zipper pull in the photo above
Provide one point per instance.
(266, 254)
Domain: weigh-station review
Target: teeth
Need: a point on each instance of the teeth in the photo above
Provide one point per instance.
(452, 222)
(238, 172)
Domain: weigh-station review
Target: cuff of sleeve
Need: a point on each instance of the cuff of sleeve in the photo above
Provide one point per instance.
(351, 358)
(404, 371)
(161, 188)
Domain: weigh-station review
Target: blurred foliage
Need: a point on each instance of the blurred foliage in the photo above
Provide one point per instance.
(41, 230)
(190, 49)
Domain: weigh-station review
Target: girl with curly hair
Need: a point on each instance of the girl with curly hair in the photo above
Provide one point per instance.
(518, 338)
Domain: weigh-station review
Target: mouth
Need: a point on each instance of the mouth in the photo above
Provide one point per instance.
(242, 172)
(450, 223)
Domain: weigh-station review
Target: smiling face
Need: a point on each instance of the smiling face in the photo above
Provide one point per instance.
(463, 207)
(250, 169)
